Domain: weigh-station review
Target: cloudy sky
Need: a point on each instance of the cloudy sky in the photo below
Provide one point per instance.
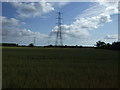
(84, 23)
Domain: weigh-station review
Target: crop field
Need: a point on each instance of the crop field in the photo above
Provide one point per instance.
(27, 67)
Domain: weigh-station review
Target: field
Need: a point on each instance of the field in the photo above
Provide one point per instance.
(25, 67)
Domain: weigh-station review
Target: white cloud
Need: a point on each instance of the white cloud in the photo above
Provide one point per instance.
(115, 36)
(10, 21)
(91, 23)
(10, 31)
(59, 4)
(69, 31)
(18, 32)
(23, 36)
(110, 38)
(62, 3)
(111, 7)
(93, 10)
(32, 9)
(58, 0)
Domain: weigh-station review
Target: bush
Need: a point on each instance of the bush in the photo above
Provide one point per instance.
(31, 45)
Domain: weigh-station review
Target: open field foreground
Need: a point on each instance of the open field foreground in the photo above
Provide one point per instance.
(25, 67)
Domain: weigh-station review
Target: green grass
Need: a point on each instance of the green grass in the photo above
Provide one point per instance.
(59, 68)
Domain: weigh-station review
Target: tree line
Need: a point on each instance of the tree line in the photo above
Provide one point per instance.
(99, 45)
(16, 45)
(103, 45)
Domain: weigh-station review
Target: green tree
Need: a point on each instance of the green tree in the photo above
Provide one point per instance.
(31, 45)
(100, 44)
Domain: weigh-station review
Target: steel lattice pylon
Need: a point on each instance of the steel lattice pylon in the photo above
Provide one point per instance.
(59, 41)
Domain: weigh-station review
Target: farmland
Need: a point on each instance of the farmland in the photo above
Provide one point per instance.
(27, 67)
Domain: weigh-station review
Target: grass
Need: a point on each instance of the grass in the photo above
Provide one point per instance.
(59, 68)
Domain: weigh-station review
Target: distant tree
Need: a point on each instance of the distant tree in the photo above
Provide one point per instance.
(50, 45)
(100, 44)
(113, 46)
(9, 44)
(31, 45)
(80, 46)
(116, 45)
(108, 46)
(76, 46)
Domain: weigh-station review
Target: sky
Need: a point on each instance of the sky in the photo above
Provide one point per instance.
(83, 23)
